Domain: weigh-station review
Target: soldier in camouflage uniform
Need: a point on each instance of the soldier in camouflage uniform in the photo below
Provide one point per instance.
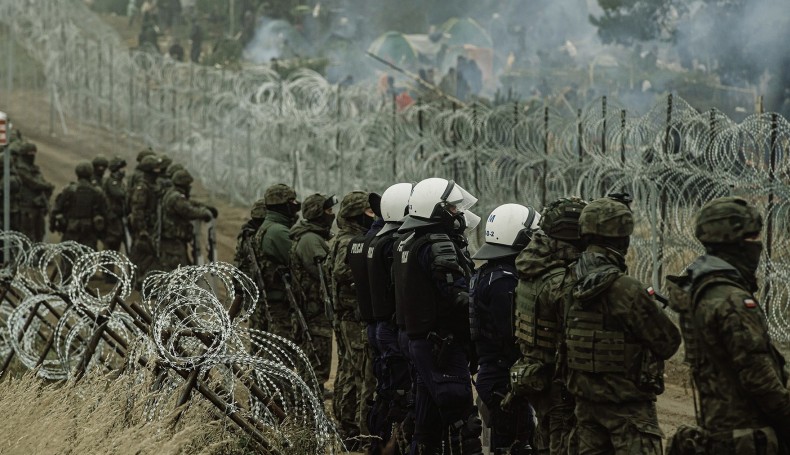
(272, 247)
(34, 194)
(739, 376)
(100, 164)
(616, 338)
(544, 281)
(138, 174)
(178, 212)
(115, 192)
(144, 218)
(308, 251)
(80, 210)
(354, 383)
(242, 257)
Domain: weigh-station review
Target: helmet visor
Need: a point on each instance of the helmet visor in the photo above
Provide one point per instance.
(456, 195)
(471, 220)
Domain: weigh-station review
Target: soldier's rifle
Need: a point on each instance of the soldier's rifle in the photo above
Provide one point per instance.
(328, 309)
(197, 236)
(299, 315)
(157, 240)
(256, 271)
(212, 240)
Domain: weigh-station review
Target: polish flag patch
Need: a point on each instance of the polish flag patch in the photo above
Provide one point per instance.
(651, 291)
(750, 303)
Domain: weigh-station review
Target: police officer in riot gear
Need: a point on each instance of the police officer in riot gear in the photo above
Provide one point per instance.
(395, 381)
(357, 257)
(509, 229)
(433, 270)
(616, 338)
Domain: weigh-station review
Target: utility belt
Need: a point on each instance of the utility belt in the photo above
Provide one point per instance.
(689, 440)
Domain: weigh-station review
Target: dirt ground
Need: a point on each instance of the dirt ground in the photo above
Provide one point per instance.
(59, 153)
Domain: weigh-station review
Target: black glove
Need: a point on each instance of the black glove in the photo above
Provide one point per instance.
(213, 210)
(207, 216)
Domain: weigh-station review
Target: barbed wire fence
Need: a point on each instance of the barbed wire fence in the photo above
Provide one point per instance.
(240, 132)
(188, 330)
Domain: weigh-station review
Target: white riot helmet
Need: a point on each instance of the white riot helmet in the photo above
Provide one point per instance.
(432, 201)
(509, 229)
(394, 206)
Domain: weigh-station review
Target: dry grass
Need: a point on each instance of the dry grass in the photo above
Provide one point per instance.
(105, 415)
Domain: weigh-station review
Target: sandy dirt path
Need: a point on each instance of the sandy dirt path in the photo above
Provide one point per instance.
(59, 153)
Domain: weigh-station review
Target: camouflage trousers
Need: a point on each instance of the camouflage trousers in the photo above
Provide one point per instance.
(356, 381)
(144, 257)
(83, 237)
(617, 428)
(172, 254)
(280, 322)
(556, 420)
(321, 348)
(30, 221)
(113, 234)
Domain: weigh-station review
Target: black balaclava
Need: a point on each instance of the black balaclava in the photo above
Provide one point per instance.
(744, 256)
(617, 245)
(364, 220)
(287, 208)
(29, 158)
(325, 220)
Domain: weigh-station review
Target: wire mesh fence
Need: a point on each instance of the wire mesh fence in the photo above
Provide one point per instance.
(243, 131)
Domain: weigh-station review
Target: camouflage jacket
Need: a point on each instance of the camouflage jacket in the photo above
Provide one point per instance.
(616, 336)
(344, 297)
(309, 244)
(82, 207)
(35, 190)
(544, 281)
(143, 207)
(738, 373)
(178, 212)
(115, 192)
(242, 258)
(272, 247)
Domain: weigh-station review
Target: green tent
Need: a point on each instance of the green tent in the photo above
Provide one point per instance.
(394, 48)
(461, 31)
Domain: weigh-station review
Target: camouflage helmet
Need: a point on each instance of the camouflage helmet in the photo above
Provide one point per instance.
(258, 209)
(561, 218)
(727, 220)
(117, 163)
(100, 161)
(354, 204)
(606, 217)
(143, 153)
(172, 169)
(84, 170)
(150, 163)
(182, 177)
(279, 193)
(166, 161)
(313, 207)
